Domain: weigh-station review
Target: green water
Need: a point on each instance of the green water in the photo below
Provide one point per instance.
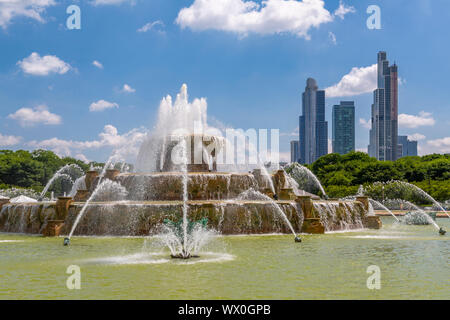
(414, 263)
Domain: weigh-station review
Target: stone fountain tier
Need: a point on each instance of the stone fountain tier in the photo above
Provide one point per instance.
(133, 218)
(168, 186)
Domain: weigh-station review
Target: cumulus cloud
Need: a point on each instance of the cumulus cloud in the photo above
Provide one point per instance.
(6, 141)
(43, 66)
(358, 81)
(416, 137)
(244, 17)
(365, 123)
(125, 145)
(97, 64)
(128, 89)
(440, 145)
(33, 9)
(342, 10)
(101, 105)
(412, 121)
(155, 25)
(28, 117)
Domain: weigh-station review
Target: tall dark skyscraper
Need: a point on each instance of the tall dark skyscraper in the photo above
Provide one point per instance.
(344, 127)
(384, 132)
(313, 127)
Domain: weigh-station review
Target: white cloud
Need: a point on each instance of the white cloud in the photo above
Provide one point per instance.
(33, 9)
(97, 64)
(9, 140)
(126, 145)
(358, 81)
(332, 37)
(416, 137)
(412, 121)
(111, 2)
(157, 25)
(28, 117)
(342, 10)
(101, 105)
(244, 17)
(128, 89)
(365, 123)
(43, 66)
(441, 145)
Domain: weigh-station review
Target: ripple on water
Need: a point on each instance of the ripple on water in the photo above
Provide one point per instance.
(159, 258)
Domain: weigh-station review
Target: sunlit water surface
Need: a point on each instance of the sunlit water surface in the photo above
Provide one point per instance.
(414, 262)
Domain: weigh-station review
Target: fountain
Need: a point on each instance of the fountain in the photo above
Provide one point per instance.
(303, 176)
(68, 172)
(179, 177)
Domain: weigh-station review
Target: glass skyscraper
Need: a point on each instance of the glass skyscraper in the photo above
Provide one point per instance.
(344, 127)
(384, 132)
(295, 151)
(408, 147)
(313, 127)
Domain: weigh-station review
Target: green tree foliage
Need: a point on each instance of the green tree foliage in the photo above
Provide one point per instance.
(342, 174)
(31, 169)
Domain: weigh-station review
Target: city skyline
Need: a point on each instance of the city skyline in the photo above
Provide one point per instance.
(109, 77)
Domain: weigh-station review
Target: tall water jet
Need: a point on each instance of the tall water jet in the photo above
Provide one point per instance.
(303, 175)
(383, 207)
(415, 216)
(185, 253)
(256, 195)
(106, 187)
(62, 172)
(423, 193)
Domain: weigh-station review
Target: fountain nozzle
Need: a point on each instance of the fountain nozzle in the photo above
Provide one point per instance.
(442, 231)
(66, 241)
(298, 239)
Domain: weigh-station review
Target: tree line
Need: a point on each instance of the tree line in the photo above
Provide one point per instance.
(341, 175)
(32, 170)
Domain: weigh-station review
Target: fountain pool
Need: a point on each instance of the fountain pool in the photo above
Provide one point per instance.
(413, 262)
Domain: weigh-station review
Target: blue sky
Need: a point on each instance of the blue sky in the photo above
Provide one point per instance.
(252, 70)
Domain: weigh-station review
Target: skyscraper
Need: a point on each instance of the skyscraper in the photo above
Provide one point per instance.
(384, 132)
(295, 151)
(408, 147)
(344, 127)
(313, 127)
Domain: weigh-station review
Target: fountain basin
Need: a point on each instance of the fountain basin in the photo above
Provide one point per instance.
(138, 218)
